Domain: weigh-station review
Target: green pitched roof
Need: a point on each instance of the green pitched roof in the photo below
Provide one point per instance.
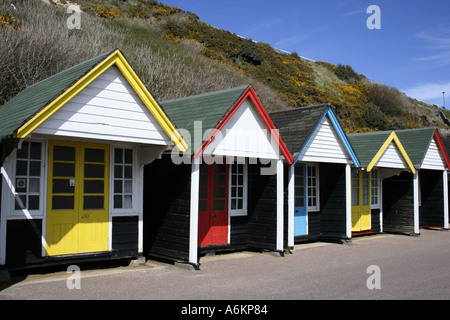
(209, 108)
(367, 145)
(416, 143)
(296, 125)
(31, 100)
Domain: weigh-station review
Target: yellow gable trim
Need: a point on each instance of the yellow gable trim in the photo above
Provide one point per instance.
(116, 58)
(392, 137)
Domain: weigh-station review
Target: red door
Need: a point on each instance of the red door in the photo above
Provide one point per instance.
(213, 205)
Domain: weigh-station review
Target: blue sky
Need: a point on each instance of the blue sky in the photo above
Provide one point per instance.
(410, 52)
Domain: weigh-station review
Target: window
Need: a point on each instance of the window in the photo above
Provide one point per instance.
(123, 178)
(28, 176)
(238, 189)
(355, 187)
(313, 188)
(374, 190)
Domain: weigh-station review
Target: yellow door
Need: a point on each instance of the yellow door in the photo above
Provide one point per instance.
(361, 218)
(77, 201)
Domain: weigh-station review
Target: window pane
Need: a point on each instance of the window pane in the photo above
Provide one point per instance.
(63, 202)
(128, 186)
(35, 151)
(118, 155)
(118, 201)
(299, 181)
(299, 202)
(203, 192)
(35, 168)
(33, 203)
(22, 153)
(219, 179)
(118, 172)
(202, 205)
(219, 205)
(94, 170)
(128, 156)
(219, 168)
(21, 168)
(61, 153)
(34, 185)
(127, 201)
(63, 186)
(94, 155)
(118, 186)
(21, 202)
(355, 196)
(128, 172)
(219, 192)
(233, 192)
(93, 202)
(240, 192)
(93, 186)
(64, 169)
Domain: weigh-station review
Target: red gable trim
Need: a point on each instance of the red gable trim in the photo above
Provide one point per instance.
(442, 148)
(249, 93)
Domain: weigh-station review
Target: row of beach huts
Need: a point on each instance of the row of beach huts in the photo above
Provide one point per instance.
(93, 168)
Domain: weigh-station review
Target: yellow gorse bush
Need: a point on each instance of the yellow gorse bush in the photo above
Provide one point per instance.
(9, 22)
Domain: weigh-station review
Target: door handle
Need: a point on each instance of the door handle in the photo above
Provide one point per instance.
(214, 216)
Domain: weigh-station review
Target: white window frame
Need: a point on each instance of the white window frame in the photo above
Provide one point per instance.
(377, 179)
(134, 185)
(242, 211)
(26, 213)
(315, 208)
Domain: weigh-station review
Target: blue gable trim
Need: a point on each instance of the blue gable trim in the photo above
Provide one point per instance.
(337, 126)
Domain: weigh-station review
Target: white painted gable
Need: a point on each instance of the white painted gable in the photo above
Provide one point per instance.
(392, 158)
(244, 135)
(433, 158)
(107, 109)
(325, 145)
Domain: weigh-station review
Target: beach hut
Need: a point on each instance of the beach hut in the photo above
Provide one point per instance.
(226, 192)
(428, 154)
(382, 188)
(319, 178)
(73, 148)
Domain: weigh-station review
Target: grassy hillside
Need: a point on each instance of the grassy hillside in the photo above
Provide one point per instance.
(176, 54)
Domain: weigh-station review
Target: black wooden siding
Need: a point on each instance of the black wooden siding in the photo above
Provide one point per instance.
(398, 204)
(431, 212)
(333, 219)
(23, 242)
(167, 190)
(262, 209)
(125, 236)
(375, 220)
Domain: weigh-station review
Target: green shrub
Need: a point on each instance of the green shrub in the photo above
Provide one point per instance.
(251, 53)
(375, 118)
(347, 74)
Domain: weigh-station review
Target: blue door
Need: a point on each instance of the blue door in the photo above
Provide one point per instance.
(300, 223)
